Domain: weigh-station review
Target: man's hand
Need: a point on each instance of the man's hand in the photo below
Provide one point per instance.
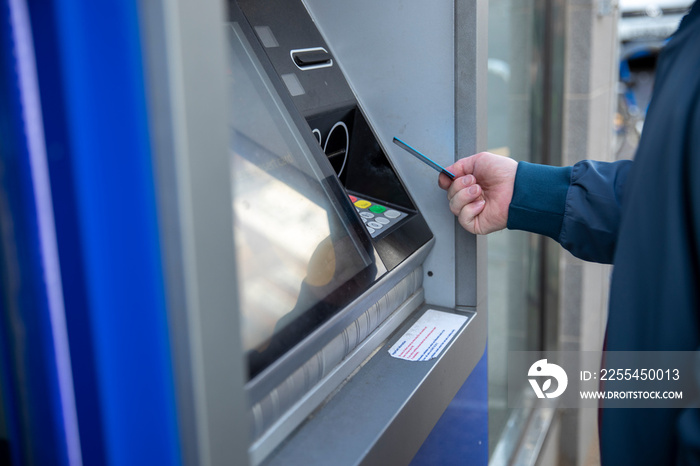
(481, 192)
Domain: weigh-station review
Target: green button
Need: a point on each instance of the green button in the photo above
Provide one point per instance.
(377, 209)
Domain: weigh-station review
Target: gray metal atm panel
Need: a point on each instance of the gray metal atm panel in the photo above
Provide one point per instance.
(398, 57)
(187, 119)
(403, 78)
(406, 87)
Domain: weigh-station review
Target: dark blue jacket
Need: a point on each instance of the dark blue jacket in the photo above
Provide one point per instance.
(643, 217)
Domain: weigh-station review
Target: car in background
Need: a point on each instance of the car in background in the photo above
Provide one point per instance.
(650, 19)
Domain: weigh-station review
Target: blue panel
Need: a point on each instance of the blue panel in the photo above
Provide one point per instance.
(78, 320)
(460, 437)
(113, 183)
(33, 410)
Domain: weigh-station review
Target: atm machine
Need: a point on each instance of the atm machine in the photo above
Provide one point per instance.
(344, 243)
(213, 253)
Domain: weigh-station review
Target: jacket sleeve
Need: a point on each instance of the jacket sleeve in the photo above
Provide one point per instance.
(579, 207)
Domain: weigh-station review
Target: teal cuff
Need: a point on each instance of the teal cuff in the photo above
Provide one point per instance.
(539, 199)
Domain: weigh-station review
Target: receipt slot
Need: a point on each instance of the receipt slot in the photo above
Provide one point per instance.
(361, 298)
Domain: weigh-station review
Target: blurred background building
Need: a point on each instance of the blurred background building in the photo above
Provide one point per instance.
(568, 80)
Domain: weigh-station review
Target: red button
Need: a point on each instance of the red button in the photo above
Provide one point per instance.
(353, 199)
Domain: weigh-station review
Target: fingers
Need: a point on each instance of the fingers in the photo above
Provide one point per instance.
(462, 196)
(466, 201)
(469, 216)
(459, 184)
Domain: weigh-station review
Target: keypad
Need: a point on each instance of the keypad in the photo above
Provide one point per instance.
(376, 217)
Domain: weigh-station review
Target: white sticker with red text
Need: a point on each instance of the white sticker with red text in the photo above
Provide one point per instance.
(427, 338)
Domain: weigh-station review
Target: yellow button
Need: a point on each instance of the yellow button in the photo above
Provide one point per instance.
(362, 204)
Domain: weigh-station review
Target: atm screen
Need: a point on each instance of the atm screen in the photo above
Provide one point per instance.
(302, 252)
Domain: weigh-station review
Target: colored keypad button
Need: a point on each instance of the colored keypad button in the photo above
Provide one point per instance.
(377, 209)
(353, 199)
(362, 204)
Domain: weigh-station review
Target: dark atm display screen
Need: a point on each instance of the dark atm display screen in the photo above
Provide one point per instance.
(302, 252)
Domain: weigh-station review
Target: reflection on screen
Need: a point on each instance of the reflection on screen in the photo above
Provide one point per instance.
(295, 249)
(277, 231)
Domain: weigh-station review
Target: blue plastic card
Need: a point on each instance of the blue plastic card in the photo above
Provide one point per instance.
(423, 158)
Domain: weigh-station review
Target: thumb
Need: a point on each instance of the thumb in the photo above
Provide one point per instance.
(463, 167)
